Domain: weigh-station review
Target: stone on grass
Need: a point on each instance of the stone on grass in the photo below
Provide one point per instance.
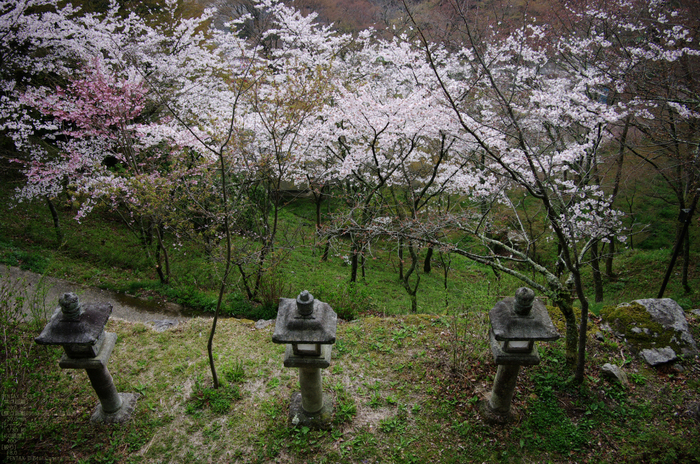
(262, 323)
(693, 411)
(656, 329)
(658, 356)
(615, 373)
(669, 314)
(165, 324)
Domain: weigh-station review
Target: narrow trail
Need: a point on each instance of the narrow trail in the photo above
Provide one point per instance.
(129, 308)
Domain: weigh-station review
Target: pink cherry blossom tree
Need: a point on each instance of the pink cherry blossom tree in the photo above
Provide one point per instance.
(101, 143)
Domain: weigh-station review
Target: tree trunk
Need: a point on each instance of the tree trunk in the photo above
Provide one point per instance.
(326, 249)
(353, 264)
(686, 262)
(597, 278)
(412, 292)
(616, 187)
(245, 279)
(56, 221)
(445, 272)
(427, 265)
(267, 248)
(609, 259)
(164, 278)
(583, 328)
(560, 264)
(400, 259)
(318, 200)
(565, 305)
(328, 239)
(686, 217)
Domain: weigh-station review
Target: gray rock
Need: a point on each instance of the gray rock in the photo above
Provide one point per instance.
(164, 324)
(658, 356)
(695, 312)
(614, 373)
(261, 324)
(677, 367)
(669, 314)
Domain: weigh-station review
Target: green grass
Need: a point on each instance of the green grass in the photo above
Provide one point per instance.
(100, 251)
(404, 389)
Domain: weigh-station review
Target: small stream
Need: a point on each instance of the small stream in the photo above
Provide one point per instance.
(47, 290)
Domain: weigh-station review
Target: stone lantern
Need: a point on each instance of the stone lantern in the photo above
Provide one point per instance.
(308, 327)
(79, 329)
(516, 324)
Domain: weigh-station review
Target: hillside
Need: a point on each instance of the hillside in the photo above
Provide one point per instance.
(404, 389)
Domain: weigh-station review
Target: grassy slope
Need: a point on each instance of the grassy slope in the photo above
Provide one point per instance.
(101, 252)
(404, 388)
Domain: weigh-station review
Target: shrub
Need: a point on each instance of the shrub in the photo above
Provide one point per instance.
(236, 305)
(347, 299)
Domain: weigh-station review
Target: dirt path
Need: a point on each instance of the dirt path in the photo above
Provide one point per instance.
(124, 307)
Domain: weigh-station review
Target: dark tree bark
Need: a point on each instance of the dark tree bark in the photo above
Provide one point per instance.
(597, 277)
(427, 264)
(406, 281)
(56, 220)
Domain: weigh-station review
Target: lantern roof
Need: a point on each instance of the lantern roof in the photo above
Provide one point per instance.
(315, 326)
(507, 324)
(84, 329)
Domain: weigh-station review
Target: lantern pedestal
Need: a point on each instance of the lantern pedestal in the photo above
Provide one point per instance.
(516, 323)
(308, 328)
(80, 331)
(308, 407)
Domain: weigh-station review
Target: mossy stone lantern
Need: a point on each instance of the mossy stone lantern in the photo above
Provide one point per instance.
(308, 327)
(79, 329)
(516, 324)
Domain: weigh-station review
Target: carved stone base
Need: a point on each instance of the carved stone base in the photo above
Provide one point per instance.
(320, 420)
(492, 417)
(123, 414)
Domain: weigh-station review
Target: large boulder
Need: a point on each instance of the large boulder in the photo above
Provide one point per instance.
(651, 326)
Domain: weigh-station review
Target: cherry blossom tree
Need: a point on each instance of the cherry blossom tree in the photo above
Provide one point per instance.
(653, 77)
(657, 78)
(86, 97)
(87, 111)
(251, 107)
(386, 133)
(538, 133)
